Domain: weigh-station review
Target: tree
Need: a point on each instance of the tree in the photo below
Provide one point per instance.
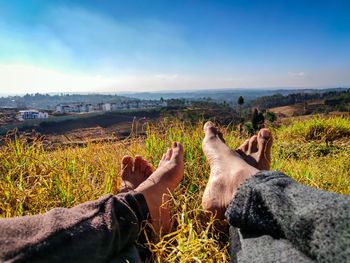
(270, 116)
(257, 120)
(240, 101)
(249, 128)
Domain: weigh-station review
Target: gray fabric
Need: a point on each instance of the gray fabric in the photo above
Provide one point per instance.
(265, 249)
(104, 230)
(279, 218)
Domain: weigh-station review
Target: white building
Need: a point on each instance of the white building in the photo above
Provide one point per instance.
(32, 114)
(59, 107)
(106, 106)
(109, 106)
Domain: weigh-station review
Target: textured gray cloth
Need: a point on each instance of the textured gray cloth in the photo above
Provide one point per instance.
(273, 218)
(104, 230)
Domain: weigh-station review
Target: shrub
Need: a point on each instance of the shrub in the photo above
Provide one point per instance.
(270, 116)
(318, 129)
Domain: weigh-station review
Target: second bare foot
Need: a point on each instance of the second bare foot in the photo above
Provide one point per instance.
(158, 187)
(134, 172)
(257, 150)
(228, 170)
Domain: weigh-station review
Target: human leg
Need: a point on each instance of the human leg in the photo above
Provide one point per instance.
(95, 231)
(315, 222)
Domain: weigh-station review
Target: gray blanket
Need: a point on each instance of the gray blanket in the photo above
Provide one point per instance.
(275, 219)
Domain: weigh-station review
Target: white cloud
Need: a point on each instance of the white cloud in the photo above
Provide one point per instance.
(88, 40)
(297, 74)
(22, 78)
(26, 78)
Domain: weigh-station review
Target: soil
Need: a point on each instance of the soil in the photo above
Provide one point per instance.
(109, 127)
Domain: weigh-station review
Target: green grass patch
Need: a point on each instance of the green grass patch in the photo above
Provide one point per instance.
(317, 129)
(34, 179)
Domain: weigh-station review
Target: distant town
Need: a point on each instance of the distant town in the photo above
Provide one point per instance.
(83, 107)
(14, 109)
(90, 107)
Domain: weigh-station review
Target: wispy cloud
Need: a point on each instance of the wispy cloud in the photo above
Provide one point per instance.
(82, 39)
(16, 78)
(78, 49)
(297, 74)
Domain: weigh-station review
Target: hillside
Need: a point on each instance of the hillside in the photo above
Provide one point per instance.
(314, 101)
(49, 102)
(34, 179)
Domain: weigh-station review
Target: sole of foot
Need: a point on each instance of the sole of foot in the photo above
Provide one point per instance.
(228, 168)
(133, 173)
(158, 187)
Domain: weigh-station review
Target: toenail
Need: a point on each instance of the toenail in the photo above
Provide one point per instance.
(125, 159)
(265, 134)
(209, 123)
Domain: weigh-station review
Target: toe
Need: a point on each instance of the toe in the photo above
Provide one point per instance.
(209, 129)
(148, 171)
(162, 160)
(177, 150)
(144, 164)
(265, 140)
(169, 153)
(244, 146)
(253, 144)
(138, 165)
(126, 166)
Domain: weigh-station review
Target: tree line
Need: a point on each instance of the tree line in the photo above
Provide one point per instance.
(49, 102)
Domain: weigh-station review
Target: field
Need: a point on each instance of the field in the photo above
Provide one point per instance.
(35, 178)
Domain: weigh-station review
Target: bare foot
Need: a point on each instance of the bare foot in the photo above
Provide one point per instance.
(228, 170)
(257, 150)
(134, 173)
(157, 188)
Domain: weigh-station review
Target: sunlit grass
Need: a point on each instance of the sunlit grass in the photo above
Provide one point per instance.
(35, 178)
(317, 129)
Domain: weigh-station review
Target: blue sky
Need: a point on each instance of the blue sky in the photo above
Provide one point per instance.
(112, 46)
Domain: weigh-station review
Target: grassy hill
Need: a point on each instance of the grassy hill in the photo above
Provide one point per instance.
(34, 179)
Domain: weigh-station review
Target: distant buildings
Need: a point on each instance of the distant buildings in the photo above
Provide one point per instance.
(32, 114)
(109, 106)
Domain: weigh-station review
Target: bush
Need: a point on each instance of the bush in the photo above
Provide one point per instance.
(270, 116)
(318, 129)
(248, 126)
(257, 120)
(341, 107)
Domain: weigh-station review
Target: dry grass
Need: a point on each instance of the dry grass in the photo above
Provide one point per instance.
(34, 179)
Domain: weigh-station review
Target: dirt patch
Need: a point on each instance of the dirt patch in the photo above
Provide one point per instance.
(118, 131)
(289, 111)
(109, 127)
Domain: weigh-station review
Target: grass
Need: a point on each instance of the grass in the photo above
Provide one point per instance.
(34, 179)
(317, 129)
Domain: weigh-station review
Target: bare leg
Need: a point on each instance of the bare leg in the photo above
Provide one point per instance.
(229, 168)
